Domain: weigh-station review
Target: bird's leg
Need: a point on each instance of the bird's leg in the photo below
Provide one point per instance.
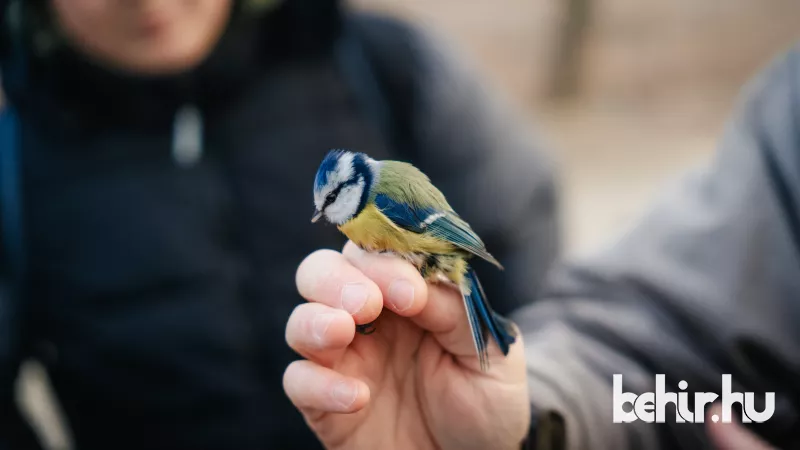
(428, 267)
(366, 329)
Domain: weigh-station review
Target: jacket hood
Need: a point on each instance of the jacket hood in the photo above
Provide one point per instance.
(62, 84)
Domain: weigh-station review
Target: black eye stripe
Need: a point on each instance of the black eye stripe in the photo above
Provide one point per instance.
(331, 197)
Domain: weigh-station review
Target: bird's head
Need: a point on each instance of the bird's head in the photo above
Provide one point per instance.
(342, 185)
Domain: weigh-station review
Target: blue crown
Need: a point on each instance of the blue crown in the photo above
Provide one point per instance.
(327, 166)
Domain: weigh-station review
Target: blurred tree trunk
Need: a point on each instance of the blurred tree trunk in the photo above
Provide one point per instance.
(566, 68)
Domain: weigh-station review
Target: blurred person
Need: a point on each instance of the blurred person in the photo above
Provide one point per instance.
(705, 284)
(161, 200)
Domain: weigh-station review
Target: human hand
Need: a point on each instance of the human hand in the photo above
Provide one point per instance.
(416, 381)
(732, 436)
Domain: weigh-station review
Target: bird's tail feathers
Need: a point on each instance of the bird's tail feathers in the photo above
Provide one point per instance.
(484, 321)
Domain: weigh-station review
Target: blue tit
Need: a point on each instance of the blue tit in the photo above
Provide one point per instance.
(391, 206)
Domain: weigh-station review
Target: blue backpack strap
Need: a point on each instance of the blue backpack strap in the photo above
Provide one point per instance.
(10, 198)
(14, 68)
(11, 227)
(11, 234)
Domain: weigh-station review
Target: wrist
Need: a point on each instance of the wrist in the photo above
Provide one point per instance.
(547, 431)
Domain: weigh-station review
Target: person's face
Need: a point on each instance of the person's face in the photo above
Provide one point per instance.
(144, 36)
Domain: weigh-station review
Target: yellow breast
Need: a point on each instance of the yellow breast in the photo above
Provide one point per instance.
(373, 231)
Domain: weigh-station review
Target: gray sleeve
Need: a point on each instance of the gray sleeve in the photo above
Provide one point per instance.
(706, 283)
(494, 170)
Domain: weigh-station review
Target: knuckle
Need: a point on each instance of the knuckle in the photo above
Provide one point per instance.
(316, 258)
(318, 267)
(293, 327)
(350, 247)
(289, 379)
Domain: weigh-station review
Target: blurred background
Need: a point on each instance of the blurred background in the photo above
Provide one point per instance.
(628, 93)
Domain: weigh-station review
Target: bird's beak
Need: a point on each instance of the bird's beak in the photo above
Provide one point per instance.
(316, 216)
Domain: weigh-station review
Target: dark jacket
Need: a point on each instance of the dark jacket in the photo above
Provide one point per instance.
(157, 288)
(706, 283)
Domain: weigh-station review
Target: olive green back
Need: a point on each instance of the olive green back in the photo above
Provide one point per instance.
(405, 183)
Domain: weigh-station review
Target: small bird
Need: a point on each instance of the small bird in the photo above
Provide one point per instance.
(392, 207)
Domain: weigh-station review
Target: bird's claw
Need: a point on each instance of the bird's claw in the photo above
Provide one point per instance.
(366, 329)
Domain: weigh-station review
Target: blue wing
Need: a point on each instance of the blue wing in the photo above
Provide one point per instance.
(445, 225)
(402, 214)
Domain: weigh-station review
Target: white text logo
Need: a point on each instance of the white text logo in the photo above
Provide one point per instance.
(651, 406)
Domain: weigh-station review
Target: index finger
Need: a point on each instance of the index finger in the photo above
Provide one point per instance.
(404, 290)
(326, 277)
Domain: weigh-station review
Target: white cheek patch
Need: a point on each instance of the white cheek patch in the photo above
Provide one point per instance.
(346, 204)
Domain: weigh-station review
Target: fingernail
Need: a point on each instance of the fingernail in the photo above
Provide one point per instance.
(401, 294)
(345, 394)
(354, 296)
(319, 326)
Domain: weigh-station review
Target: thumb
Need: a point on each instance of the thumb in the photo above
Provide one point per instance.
(731, 436)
